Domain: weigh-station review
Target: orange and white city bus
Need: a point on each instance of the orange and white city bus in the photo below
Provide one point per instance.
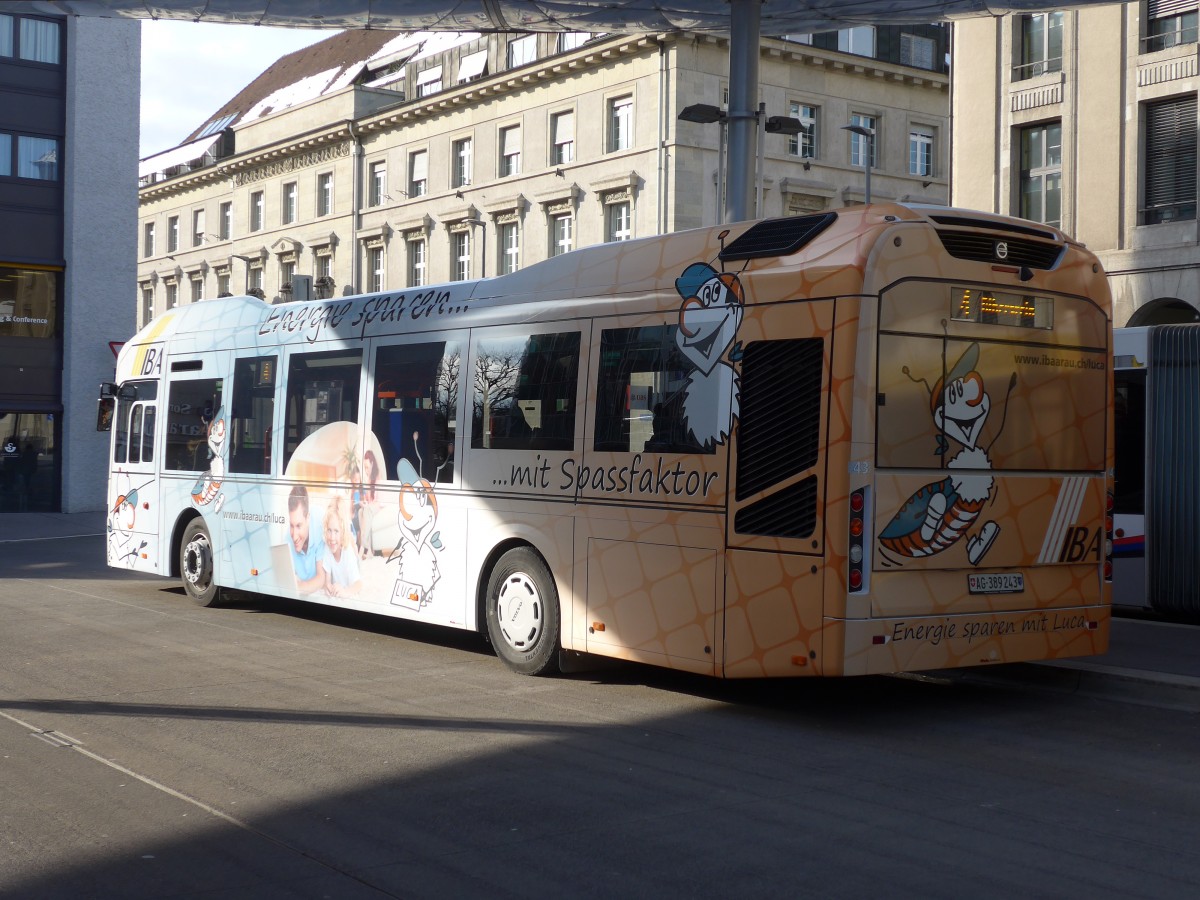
(867, 441)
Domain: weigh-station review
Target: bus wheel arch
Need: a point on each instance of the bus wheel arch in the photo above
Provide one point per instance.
(519, 608)
(196, 562)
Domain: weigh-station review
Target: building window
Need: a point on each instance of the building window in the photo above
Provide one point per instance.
(522, 51)
(1169, 166)
(6, 153)
(287, 271)
(226, 225)
(325, 266)
(172, 295)
(1041, 45)
(620, 124)
(256, 211)
(418, 174)
(324, 193)
(617, 222)
(804, 144)
(416, 262)
(917, 51)
(461, 174)
(562, 138)
(223, 284)
(197, 227)
(860, 41)
(37, 158)
(375, 269)
(1169, 23)
(460, 253)
(291, 194)
(147, 304)
(172, 234)
(429, 81)
(510, 151)
(197, 289)
(859, 143)
(561, 229)
(572, 40)
(920, 152)
(510, 247)
(1041, 173)
(255, 278)
(34, 40)
(148, 240)
(377, 180)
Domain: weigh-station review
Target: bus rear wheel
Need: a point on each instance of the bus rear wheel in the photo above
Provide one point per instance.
(522, 613)
(196, 564)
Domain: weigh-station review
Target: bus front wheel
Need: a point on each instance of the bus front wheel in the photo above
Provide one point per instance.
(196, 564)
(522, 613)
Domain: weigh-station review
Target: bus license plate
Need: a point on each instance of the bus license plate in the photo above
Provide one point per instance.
(996, 583)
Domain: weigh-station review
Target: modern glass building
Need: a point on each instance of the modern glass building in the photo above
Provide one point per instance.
(68, 153)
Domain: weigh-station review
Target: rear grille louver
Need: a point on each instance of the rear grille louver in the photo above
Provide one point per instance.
(1001, 249)
(779, 430)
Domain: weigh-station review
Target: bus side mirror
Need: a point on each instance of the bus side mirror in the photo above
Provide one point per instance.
(108, 389)
(104, 413)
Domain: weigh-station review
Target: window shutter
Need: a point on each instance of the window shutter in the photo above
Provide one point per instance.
(420, 166)
(1161, 9)
(1170, 162)
(512, 141)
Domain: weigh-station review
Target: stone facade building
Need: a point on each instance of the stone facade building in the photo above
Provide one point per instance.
(374, 161)
(1087, 120)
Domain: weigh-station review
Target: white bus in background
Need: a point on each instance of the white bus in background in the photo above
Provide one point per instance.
(1156, 504)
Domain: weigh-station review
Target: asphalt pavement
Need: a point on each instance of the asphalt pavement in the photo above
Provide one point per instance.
(1150, 660)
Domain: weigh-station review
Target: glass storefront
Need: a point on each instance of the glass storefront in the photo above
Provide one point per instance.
(28, 462)
(30, 366)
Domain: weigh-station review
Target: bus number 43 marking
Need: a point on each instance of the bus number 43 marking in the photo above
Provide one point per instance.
(1080, 543)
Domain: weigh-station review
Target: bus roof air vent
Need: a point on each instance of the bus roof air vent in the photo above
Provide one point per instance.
(777, 237)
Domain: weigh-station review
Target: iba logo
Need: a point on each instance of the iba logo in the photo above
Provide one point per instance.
(1080, 544)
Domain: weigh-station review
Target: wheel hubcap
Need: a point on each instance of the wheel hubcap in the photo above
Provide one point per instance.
(197, 562)
(519, 612)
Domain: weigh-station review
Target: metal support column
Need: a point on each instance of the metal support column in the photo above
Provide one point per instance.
(744, 40)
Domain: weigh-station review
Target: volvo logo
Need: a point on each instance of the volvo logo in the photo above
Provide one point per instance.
(1001, 249)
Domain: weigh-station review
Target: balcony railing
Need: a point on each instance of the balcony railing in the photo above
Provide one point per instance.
(1034, 69)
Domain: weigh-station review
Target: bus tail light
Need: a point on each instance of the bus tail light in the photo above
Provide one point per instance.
(856, 577)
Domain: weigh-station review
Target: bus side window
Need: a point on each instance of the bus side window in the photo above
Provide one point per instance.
(253, 411)
(640, 393)
(415, 409)
(148, 432)
(524, 397)
(135, 433)
(1129, 454)
(321, 388)
(191, 406)
(121, 440)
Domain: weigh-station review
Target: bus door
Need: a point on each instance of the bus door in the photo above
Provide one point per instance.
(776, 523)
(133, 490)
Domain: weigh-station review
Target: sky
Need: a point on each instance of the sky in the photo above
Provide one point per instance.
(190, 70)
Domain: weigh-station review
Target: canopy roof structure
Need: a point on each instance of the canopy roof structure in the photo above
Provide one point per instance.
(743, 20)
(630, 16)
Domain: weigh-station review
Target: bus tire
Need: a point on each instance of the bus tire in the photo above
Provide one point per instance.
(522, 613)
(196, 564)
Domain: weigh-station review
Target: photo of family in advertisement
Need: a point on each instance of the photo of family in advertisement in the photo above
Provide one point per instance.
(360, 541)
